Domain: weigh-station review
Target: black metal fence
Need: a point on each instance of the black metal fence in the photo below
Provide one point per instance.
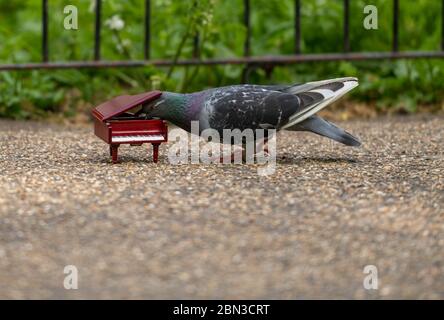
(266, 62)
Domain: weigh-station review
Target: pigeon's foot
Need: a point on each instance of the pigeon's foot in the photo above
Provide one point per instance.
(239, 156)
(263, 143)
(233, 158)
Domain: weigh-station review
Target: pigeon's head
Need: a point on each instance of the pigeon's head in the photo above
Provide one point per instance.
(151, 107)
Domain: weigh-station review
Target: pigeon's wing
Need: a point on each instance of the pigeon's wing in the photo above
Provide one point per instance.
(298, 88)
(272, 87)
(333, 84)
(254, 106)
(314, 96)
(317, 95)
(249, 107)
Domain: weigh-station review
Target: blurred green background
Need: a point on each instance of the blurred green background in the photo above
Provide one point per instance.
(386, 86)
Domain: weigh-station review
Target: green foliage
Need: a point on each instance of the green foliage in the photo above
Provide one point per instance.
(399, 85)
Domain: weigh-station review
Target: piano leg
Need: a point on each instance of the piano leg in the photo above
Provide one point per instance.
(114, 152)
(155, 152)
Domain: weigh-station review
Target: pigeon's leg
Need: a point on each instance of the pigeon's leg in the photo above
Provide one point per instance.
(263, 143)
(241, 153)
(238, 153)
(266, 145)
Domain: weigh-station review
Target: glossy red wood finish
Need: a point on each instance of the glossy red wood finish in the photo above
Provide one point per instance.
(121, 104)
(102, 130)
(106, 126)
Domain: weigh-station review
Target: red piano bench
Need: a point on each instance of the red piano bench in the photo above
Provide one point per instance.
(116, 125)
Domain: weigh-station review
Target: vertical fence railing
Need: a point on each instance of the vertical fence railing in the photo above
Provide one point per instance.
(248, 59)
(247, 23)
(196, 42)
(297, 26)
(442, 26)
(395, 26)
(45, 50)
(346, 26)
(147, 40)
(98, 27)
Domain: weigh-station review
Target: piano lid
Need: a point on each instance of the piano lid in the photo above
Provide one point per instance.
(121, 104)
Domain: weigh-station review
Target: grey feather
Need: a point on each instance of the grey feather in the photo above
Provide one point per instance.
(298, 88)
(327, 129)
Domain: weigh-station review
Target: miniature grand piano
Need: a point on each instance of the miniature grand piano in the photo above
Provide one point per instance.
(116, 125)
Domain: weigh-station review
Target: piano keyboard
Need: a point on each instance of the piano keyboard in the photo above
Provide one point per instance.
(138, 138)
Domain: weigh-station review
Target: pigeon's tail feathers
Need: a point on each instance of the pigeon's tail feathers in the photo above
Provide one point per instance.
(321, 94)
(327, 129)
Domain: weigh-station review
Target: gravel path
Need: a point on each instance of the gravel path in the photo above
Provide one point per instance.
(140, 230)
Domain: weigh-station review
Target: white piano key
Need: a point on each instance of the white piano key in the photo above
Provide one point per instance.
(138, 138)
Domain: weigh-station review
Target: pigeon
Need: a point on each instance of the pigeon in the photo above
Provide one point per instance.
(249, 106)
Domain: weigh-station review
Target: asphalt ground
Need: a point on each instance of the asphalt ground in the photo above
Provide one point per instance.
(142, 230)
